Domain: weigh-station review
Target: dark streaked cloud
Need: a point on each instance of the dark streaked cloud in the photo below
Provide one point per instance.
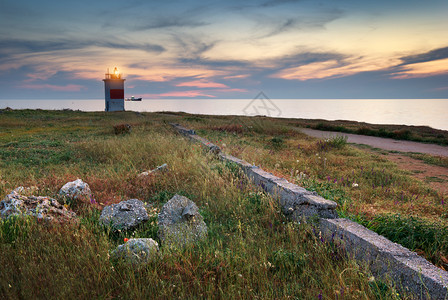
(278, 2)
(306, 57)
(301, 22)
(436, 54)
(34, 46)
(169, 22)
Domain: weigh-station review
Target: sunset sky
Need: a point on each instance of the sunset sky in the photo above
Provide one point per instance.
(225, 49)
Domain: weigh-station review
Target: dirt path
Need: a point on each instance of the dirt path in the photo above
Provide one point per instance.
(382, 143)
(435, 176)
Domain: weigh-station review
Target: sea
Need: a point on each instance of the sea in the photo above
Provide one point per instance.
(427, 112)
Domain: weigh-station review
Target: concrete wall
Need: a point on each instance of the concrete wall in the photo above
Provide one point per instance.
(387, 260)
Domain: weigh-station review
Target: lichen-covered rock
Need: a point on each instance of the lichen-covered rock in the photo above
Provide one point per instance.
(136, 251)
(41, 207)
(180, 223)
(124, 215)
(76, 190)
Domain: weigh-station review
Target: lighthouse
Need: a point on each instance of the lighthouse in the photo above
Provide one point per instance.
(114, 91)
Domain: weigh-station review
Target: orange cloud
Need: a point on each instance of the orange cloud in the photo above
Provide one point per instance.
(202, 84)
(334, 68)
(237, 76)
(65, 88)
(178, 94)
(423, 69)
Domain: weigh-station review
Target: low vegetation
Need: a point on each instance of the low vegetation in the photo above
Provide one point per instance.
(399, 132)
(251, 250)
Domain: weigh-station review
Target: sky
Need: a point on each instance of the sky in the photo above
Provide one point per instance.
(290, 49)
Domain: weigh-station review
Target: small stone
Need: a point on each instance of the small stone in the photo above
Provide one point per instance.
(136, 251)
(76, 190)
(162, 168)
(180, 223)
(125, 215)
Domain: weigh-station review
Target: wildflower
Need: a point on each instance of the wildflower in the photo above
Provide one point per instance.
(319, 296)
(126, 240)
(92, 200)
(355, 185)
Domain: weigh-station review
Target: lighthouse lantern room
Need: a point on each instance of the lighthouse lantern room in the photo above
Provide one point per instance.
(114, 91)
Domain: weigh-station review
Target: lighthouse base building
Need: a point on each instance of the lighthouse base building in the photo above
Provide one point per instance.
(114, 91)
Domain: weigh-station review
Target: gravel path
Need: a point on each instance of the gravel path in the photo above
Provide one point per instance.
(382, 143)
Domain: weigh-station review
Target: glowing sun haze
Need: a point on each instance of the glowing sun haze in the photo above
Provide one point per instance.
(232, 49)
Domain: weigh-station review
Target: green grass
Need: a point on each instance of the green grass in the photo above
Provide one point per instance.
(431, 159)
(251, 250)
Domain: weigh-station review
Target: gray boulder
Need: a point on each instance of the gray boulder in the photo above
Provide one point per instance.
(124, 215)
(38, 206)
(136, 251)
(76, 190)
(180, 223)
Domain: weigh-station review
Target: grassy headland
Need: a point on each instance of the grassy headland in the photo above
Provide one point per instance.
(251, 251)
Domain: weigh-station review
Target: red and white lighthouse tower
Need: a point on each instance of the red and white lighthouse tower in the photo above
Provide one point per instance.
(114, 91)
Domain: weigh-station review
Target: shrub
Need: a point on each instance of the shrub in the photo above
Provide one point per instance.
(277, 142)
(122, 129)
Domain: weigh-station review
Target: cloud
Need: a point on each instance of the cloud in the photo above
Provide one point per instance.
(301, 22)
(177, 94)
(278, 2)
(239, 76)
(422, 69)
(169, 22)
(334, 68)
(436, 54)
(52, 87)
(12, 46)
(202, 84)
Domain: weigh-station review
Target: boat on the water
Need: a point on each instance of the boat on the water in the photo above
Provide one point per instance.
(133, 99)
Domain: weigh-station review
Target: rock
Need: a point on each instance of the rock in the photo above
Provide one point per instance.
(124, 215)
(40, 207)
(180, 223)
(76, 190)
(136, 251)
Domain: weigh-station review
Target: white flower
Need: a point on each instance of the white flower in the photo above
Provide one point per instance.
(355, 185)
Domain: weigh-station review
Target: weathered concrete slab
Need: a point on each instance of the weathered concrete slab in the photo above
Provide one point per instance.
(296, 202)
(183, 130)
(191, 134)
(229, 158)
(386, 259)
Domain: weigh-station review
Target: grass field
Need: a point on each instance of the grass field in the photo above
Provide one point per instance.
(251, 251)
